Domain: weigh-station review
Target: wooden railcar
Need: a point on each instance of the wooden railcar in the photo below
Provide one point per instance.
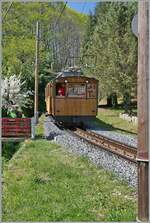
(72, 97)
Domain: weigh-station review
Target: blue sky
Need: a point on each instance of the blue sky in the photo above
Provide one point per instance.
(83, 7)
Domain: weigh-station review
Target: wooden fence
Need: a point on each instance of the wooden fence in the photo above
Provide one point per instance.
(17, 127)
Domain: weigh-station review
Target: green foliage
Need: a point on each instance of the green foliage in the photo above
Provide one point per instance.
(114, 45)
(9, 149)
(57, 41)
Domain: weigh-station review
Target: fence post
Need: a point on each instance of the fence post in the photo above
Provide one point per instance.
(32, 128)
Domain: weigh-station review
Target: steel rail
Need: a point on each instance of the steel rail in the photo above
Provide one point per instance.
(123, 150)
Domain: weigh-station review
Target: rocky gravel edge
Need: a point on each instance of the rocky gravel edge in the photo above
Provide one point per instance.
(127, 139)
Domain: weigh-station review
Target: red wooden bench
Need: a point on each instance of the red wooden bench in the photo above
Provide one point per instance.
(16, 127)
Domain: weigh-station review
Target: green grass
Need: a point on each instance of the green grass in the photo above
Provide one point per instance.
(39, 131)
(44, 182)
(109, 119)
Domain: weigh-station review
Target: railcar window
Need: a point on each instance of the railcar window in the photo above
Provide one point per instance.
(76, 90)
(60, 90)
(91, 90)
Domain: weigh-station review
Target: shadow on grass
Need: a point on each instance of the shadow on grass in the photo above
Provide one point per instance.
(39, 136)
(9, 148)
(120, 107)
(109, 127)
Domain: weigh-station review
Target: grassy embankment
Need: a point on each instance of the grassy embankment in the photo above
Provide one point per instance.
(43, 182)
(109, 119)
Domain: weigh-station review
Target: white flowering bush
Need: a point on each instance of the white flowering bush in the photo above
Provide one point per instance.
(13, 93)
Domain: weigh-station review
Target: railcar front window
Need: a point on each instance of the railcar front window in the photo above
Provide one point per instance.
(76, 90)
(91, 90)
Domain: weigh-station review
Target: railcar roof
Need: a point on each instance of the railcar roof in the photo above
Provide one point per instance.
(70, 72)
(75, 76)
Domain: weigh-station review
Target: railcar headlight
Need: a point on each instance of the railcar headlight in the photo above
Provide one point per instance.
(66, 81)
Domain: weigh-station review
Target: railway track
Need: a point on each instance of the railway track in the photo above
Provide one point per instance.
(123, 150)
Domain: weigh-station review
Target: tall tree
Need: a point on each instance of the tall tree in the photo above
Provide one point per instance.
(115, 47)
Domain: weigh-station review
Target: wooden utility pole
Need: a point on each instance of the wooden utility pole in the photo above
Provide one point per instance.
(36, 74)
(143, 110)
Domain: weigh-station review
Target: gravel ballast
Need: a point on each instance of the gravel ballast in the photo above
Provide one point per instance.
(123, 169)
(127, 139)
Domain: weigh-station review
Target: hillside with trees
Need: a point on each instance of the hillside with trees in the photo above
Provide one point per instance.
(61, 35)
(104, 40)
(110, 40)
